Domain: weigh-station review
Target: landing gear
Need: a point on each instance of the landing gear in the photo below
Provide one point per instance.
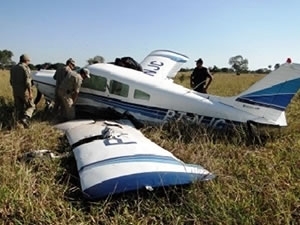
(38, 97)
(253, 134)
(138, 124)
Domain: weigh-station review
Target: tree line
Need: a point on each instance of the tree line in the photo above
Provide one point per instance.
(238, 64)
(6, 62)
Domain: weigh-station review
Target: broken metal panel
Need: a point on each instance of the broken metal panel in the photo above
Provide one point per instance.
(98, 129)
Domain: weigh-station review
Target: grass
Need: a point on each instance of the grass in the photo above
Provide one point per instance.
(255, 184)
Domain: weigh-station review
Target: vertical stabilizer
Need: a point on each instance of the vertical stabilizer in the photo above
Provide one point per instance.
(269, 97)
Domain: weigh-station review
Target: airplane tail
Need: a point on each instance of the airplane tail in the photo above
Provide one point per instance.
(269, 97)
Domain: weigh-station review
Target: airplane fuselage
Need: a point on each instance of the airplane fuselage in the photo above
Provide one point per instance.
(146, 98)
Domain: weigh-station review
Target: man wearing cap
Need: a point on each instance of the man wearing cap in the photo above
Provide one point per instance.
(59, 76)
(199, 77)
(68, 91)
(21, 82)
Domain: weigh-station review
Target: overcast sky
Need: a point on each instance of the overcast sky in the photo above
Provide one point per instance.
(263, 31)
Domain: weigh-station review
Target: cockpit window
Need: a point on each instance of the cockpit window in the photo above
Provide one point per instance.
(118, 88)
(95, 82)
(138, 94)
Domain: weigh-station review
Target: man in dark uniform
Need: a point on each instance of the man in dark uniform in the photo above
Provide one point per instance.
(21, 82)
(59, 76)
(68, 91)
(200, 77)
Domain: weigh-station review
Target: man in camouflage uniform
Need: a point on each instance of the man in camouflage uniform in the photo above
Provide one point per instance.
(59, 76)
(68, 91)
(21, 82)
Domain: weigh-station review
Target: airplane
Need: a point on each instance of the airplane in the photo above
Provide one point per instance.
(113, 157)
(151, 97)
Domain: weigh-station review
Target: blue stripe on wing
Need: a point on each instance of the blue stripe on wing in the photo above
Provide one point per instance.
(133, 159)
(142, 180)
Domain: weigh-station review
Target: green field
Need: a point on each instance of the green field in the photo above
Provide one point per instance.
(255, 183)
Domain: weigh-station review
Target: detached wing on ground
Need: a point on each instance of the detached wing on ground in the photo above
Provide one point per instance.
(113, 158)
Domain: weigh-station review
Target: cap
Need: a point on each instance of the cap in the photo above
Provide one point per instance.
(86, 72)
(24, 58)
(70, 60)
(199, 60)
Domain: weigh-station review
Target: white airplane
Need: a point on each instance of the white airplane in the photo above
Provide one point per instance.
(152, 97)
(114, 157)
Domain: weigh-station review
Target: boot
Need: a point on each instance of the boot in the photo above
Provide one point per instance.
(25, 121)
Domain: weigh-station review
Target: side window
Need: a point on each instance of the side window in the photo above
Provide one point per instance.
(138, 94)
(95, 82)
(118, 88)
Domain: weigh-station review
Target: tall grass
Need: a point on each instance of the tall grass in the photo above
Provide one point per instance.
(255, 184)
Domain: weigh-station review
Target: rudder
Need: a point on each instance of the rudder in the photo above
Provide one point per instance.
(269, 97)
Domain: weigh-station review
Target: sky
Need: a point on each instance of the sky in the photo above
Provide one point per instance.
(263, 31)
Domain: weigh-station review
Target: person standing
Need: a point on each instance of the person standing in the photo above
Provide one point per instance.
(21, 82)
(59, 76)
(201, 78)
(68, 92)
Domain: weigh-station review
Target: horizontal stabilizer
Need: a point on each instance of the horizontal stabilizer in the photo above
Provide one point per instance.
(163, 63)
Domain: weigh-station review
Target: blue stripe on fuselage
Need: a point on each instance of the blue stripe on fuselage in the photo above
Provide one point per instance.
(158, 113)
(154, 112)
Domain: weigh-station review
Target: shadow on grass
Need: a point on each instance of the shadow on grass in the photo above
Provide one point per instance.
(249, 135)
(7, 119)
